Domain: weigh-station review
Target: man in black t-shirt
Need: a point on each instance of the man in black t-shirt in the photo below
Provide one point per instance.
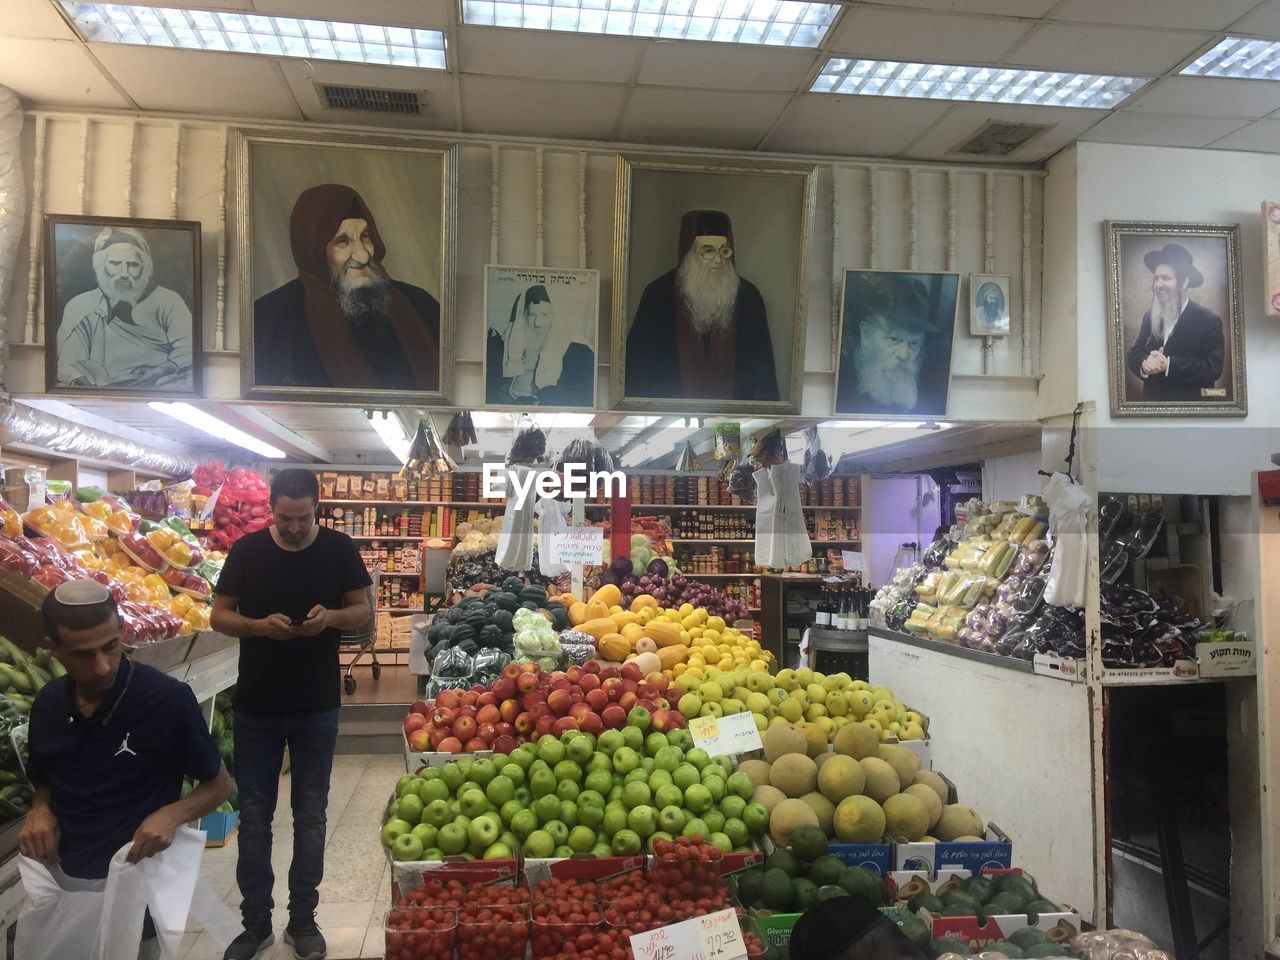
(288, 592)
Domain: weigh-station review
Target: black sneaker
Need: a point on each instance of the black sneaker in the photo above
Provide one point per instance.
(250, 944)
(306, 939)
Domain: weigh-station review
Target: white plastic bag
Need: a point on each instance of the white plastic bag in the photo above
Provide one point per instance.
(1068, 518)
(60, 916)
(791, 540)
(553, 517)
(515, 542)
(766, 519)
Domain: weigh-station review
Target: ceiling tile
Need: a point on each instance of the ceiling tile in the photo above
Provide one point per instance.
(435, 87)
(1263, 135)
(1264, 21)
(725, 66)
(1033, 9)
(543, 55)
(1060, 46)
(965, 119)
(703, 118)
(192, 81)
(1185, 14)
(35, 18)
(540, 108)
(1125, 127)
(56, 73)
(406, 13)
(1208, 97)
(852, 126)
(897, 34)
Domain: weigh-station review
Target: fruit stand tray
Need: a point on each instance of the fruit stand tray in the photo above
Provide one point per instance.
(164, 655)
(955, 650)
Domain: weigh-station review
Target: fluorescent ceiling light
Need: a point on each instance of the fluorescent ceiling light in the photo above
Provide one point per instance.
(854, 424)
(489, 420)
(195, 417)
(780, 23)
(233, 32)
(565, 421)
(940, 81)
(1239, 57)
(391, 432)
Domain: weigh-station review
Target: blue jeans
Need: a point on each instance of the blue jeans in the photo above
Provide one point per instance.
(260, 739)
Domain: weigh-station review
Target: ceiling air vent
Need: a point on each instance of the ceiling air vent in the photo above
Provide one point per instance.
(999, 138)
(370, 99)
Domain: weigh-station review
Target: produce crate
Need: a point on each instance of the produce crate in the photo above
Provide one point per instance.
(1059, 927)
(406, 875)
(219, 828)
(873, 856)
(580, 867)
(414, 760)
(1239, 658)
(1048, 665)
(996, 851)
(776, 927)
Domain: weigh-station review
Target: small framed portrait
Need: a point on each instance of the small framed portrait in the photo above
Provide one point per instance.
(122, 306)
(896, 330)
(346, 252)
(540, 347)
(1176, 333)
(1271, 257)
(710, 279)
(988, 305)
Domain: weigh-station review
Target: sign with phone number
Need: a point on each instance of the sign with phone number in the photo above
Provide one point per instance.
(716, 936)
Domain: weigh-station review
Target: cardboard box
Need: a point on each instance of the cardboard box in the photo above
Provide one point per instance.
(415, 760)
(1234, 659)
(1144, 676)
(995, 851)
(1047, 665)
(873, 856)
(219, 828)
(978, 933)
(580, 867)
(776, 927)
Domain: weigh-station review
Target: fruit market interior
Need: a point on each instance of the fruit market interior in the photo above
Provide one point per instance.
(619, 480)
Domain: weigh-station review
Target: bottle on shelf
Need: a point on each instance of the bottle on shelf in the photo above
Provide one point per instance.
(823, 618)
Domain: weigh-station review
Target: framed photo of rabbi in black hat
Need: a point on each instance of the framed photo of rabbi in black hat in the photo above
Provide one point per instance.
(896, 329)
(710, 277)
(1176, 331)
(346, 268)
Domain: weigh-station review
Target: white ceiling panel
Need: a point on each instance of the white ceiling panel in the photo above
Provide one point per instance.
(182, 80)
(725, 66)
(965, 119)
(35, 18)
(546, 56)
(1157, 130)
(1261, 135)
(540, 108)
(1263, 21)
(1208, 97)
(1060, 46)
(403, 13)
(899, 34)
(708, 118)
(1185, 14)
(56, 73)
(1031, 9)
(852, 126)
(433, 86)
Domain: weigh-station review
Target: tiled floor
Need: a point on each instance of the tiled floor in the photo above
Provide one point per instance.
(357, 881)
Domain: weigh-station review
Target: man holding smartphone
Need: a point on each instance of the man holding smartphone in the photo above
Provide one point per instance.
(287, 592)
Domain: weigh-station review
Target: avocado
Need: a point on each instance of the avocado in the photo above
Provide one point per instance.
(980, 887)
(962, 910)
(806, 894)
(958, 896)
(1028, 937)
(826, 869)
(1037, 907)
(831, 891)
(784, 859)
(808, 842)
(939, 947)
(749, 882)
(915, 930)
(1016, 883)
(776, 890)
(864, 884)
(1006, 904)
(925, 901)
(1008, 949)
(1046, 950)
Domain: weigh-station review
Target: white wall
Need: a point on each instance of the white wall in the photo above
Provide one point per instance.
(912, 211)
(1118, 182)
(898, 510)
(1012, 476)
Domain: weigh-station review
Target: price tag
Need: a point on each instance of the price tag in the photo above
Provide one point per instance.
(720, 936)
(854, 561)
(580, 545)
(726, 736)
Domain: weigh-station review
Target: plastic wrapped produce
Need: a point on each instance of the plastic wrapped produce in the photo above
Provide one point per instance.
(578, 647)
(1116, 945)
(454, 663)
(488, 663)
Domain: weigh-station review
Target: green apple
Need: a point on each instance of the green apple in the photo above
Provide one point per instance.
(452, 776)
(590, 815)
(434, 853)
(601, 781)
(547, 808)
(615, 792)
(452, 839)
(640, 719)
(756, 817)
(482, 771)
(462, 821)
(515, 773)
(473, 802)
(465, 763)
(567, 790)
(643, 820)
(568, 770)
(509, 839)
(409, 808)
(654, 741)
(509, 810)
(721, 841)
(500, 790)
(633, 737)
(569, 812)
(523, 795)
(426, 835)
(671, 819)
(698, 757)
(406, 847)
(658, 779)
(614, 819)
(435, 789)
(625, 759)
(601, 761)
(698, 798)
(724, 763)
(542, 782)
(681, 738)
(581, 839)
(438, 813)
(563, 851)
(716, 786)
(406, 783)
(626, 843)
(740, 785)
(539, 843)
(580, 748)
(610, 741)
(636, 794)
(695, 828)
(551, 750)
(395, 828)
(714, 820)
(559, 831)
(524, 756)
(685, 776)
(524, 823)
(668, 758)
(635, 775)
(668, 796)
(497, 851)
(482, 832)
(737, 832)
(602, 849)
(732, 806)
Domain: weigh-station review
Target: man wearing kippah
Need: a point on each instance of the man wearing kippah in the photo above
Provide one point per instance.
(110, 744)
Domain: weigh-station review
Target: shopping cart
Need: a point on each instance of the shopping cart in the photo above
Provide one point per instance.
(361, 639)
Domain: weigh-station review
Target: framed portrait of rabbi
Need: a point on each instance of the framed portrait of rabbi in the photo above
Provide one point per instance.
(346, 268)
(896, 331)
(710, 275)
(1176, 331)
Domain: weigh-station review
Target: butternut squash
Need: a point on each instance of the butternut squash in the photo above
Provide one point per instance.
(647, 662)
(578, 613)
(596, 610)
(599, 628)
(608, 594)
(664, 634)
(646, 645)
(613, 646)
(670, 656)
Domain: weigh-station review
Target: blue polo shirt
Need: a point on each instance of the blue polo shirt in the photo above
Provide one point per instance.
(109, 772)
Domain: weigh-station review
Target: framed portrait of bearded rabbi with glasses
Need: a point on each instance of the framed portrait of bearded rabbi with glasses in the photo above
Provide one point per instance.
(346, 268)
(710, 276)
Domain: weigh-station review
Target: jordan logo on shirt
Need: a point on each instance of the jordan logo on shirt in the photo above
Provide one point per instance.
(124, 747)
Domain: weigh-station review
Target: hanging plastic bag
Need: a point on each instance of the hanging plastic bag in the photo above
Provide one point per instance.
(553, 517)
(741, 483)
(792, 546)
(728, 447)
(427, 456)
(766, 519)
(61, 914)
(1068, 515)
(769, 449)
(817, 465)
(588, 452)
(687, 462)
(461, 432)
(515, 542)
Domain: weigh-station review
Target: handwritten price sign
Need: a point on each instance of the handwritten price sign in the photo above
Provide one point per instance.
(721, 936)
(713, 937)
(726, 736)
(581, 545)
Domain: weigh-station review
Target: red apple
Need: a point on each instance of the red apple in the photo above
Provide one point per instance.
(612, 689)
(629, 686)
(485, 699)
(464, 728)
(540, 710)
(438, 737)
(561, 684)
(613, 716)
(597, 699)
(564, 724)
(488, 713)
(487, 731)
(608, 673)
(591, 668)
(419, 741)
(630, 672)
(558, 675)
(509, 710)
(659, 680)
(528, 666)
(628, 699)
(576, 695)
(526, 682)
(589, 682)
(450, 745)
(505, 689)
(421, 706)
(544, 725)
(578, 710)
(504, 743)
(475, 744)
(448, 698)
(574, 674)
(509, 672)
(444, 716)
(466, 710)
(414, 721)
(591, 723)
(646, 690)
(559, 700)
(524, 724)
(532, 698)
(662, 703)
(469, 698)
(662, 721)
(505, 729)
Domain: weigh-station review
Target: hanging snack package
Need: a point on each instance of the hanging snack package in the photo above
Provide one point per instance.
(742, 479)
(427, 456)
(770, 449)
(588, 452)
(817, 465)
(529, 446)
(688, 459)
(461, 432)
(728, 446)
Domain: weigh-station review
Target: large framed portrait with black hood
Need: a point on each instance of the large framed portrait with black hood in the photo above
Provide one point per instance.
(346, 268)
